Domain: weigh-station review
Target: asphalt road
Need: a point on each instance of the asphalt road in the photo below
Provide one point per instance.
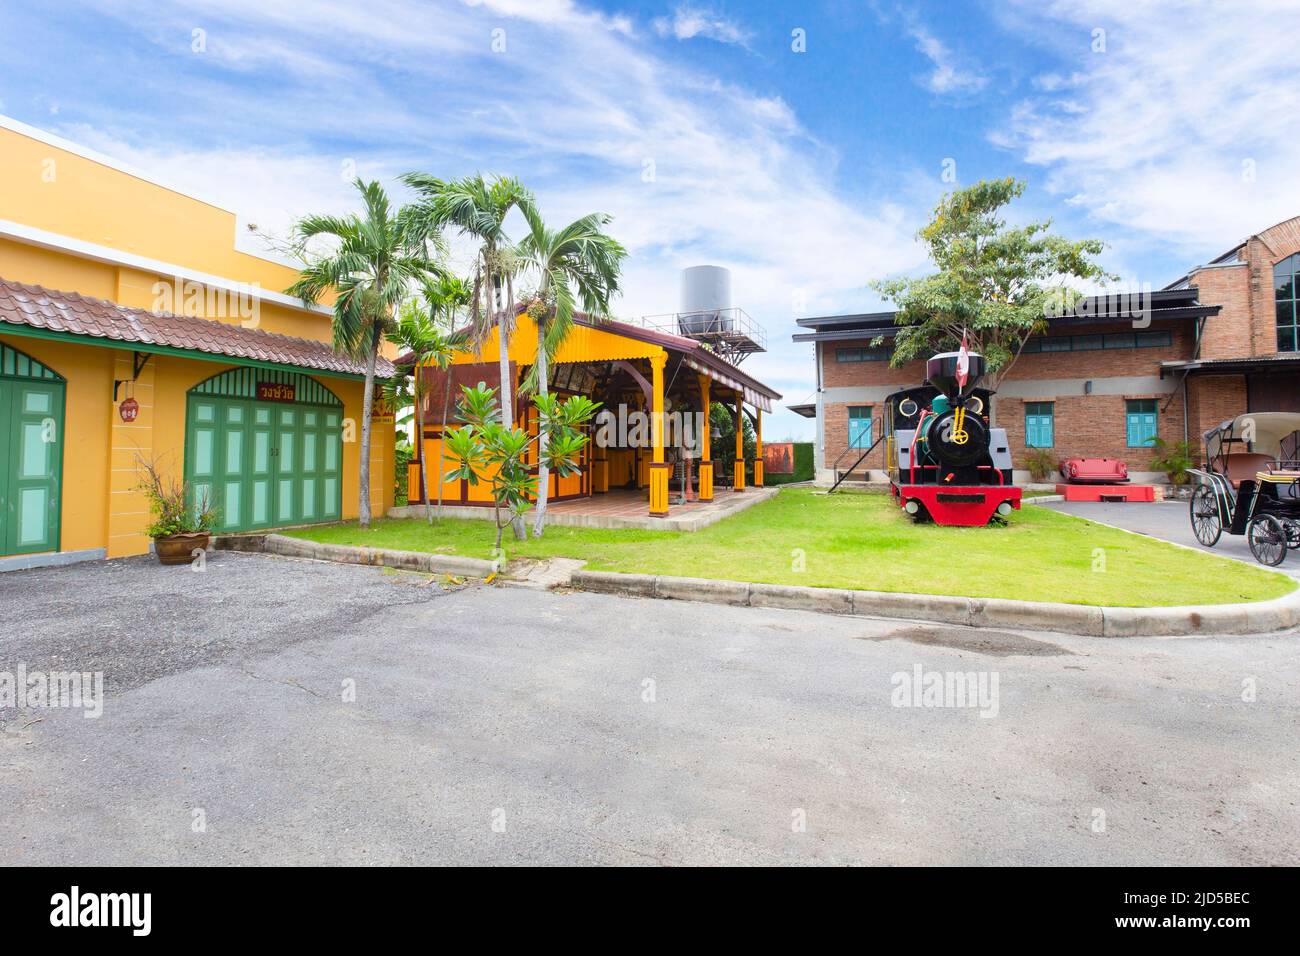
(1168, 520)
(506, 726)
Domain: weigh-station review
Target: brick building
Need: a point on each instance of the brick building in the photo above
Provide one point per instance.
(1104, 379)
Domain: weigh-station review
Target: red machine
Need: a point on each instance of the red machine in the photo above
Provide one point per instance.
(951, 466)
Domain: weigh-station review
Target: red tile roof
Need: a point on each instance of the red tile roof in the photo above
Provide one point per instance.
(75, 314)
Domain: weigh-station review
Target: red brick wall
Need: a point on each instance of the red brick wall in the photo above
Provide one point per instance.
(1263, 252)
(1247, 324)
(876, 372)
(1092, 426)
(1213, 399)
(1105, 363)
(1228, 334)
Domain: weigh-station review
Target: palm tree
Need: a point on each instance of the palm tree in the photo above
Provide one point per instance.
(372, 261)
(444, 297)
(419, 337)
(576, 263)
(477, 207)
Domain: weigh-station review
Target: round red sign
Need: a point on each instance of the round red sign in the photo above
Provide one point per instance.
(128, 409)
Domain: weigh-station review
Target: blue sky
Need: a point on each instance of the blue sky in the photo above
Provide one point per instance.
(1168, 130)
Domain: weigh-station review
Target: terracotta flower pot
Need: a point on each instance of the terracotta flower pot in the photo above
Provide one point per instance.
(179, 548)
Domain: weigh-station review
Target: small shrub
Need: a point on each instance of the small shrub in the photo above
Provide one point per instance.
(1040, 462)
(1174, 458)
(169, 502)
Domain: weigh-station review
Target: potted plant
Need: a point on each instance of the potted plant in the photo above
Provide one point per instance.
(1174, 458)
(177, 528)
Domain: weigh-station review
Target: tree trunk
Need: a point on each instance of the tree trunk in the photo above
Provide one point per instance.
(367, 406)
(442, 444)
(424, 464)
(543, 473)
(507, 409)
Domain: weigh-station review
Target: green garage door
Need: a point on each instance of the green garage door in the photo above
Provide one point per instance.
(264, 463)
(31, 454)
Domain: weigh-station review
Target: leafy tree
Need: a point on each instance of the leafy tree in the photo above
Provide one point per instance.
(477, 207)
(723, 418)
(578, 263)
(486, 449)
(996, 283)
(417, 335)
(370, 263)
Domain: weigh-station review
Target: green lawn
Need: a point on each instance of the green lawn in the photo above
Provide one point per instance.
(864, 541)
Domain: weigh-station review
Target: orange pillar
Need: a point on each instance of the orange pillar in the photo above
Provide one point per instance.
(758, 448)
(706, 444)
(659, 468)
(740, 443)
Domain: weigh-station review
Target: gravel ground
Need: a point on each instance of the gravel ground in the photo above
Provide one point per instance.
(282, 712)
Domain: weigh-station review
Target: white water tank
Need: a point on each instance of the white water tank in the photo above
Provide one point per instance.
(705, 301)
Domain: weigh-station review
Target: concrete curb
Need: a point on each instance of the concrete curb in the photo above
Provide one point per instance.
(1258, 618)
(342, 554)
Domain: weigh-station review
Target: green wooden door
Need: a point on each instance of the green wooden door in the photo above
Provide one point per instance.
(264, 464)
(31, 465)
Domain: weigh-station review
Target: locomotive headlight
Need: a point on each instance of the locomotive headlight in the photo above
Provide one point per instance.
(1004, 509)
(911, 507)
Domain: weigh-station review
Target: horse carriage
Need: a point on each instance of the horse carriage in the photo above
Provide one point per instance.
(1250, 484)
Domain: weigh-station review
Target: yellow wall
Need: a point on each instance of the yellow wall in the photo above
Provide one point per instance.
(61, 192)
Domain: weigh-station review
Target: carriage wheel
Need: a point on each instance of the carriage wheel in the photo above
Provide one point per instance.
(1267, 540)
(1205, 516)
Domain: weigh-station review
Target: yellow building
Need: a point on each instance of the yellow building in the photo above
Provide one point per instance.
(667, 380)
(133, 325)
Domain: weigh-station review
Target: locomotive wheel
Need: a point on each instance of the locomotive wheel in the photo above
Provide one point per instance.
(1205, 516)
(1267, 540)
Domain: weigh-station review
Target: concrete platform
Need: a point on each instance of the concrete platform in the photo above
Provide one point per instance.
(1125, 492)
(623, 509)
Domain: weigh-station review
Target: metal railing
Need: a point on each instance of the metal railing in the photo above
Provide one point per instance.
(732, 333)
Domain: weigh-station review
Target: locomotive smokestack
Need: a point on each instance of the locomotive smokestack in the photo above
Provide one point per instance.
(941, 372)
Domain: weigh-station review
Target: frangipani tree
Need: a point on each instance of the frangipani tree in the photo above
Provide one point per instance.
(485, 449)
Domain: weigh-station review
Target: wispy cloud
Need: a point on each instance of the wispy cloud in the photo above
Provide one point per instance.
(947, 76)
(693, 167)
(688, 22)
(1179, 123)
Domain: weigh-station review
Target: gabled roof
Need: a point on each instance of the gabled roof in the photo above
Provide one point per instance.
(72, 315)
(693, 353)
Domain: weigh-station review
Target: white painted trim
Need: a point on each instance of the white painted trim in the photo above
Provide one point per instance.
(85, 152)
(44, 239)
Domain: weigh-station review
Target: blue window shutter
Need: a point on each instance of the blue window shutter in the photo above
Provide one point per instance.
(1039, 422)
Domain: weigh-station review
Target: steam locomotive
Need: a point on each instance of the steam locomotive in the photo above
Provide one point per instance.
(946, 463)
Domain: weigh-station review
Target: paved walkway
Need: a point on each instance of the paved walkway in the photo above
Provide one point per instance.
(1170, 521)
(276, 711)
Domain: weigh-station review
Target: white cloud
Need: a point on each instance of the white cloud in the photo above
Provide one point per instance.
(1184, 129)
(946, 77)
(688, 22)
(578, 107)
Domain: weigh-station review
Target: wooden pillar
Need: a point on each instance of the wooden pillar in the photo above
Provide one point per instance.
(659, 468)
(758, 448)
(706, 444)
(740, 442)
